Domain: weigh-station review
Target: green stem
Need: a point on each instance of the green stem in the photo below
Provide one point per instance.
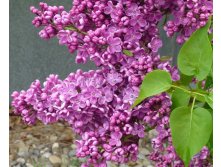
(194, 99)
(188, 91)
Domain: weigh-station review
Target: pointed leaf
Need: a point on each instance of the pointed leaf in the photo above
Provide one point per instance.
(191, 130)
(195, 56)
(155, 82)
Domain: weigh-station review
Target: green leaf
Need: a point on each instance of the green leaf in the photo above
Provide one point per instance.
(210, 143)
(127, 52)
(209, 82)
(180, 98)
(185, 80)
(209, 99)
(200, 98)
(191, 130)
(200, 94)
(154, 83)
(210, 37)
(195, 56)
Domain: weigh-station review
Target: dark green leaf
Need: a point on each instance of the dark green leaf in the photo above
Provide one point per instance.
(209, 82)
(155, 82)
(200, 95)
(200, 98)
(185, 80)
(209, 100)
(210, 143)
(180, 98)
(127, 52)
(195, 57)
(210, 37)
(191, 130)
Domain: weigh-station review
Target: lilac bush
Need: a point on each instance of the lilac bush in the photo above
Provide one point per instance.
(122, 38)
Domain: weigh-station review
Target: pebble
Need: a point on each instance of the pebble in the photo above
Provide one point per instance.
(53, 138)
(35, 152)
(29, 165)
(44, 150)
(55, 160)
(55, 148)
(46, 155)
(18, 165)
(38, 149)
(21, 161)
(11, 157)
(22, 149)
(13, 163)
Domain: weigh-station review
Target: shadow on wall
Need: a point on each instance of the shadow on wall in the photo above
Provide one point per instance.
(33, 58)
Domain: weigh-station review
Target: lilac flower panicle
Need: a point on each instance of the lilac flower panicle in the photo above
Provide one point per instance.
(97, 103)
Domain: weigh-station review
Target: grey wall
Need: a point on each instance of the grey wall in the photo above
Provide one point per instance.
(33, 58)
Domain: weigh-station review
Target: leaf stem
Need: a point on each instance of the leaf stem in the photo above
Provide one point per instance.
(194, 99)
(188, 91)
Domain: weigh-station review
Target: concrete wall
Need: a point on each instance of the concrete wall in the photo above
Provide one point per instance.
(33, 58)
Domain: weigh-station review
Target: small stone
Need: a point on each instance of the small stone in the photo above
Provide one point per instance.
(55, 148)
(46, 155)
(34, 157)
(29, 165)
(13, 163)
(21, 161)
(53, 138)
(34, 146)
(44, 150)
(18, 165)
(55, 160)
(35, 152)
(67, 135)
(11, 157)
(22, 149)
(40, 147)
(29, 136)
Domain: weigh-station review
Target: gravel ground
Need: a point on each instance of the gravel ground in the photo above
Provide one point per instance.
(52, 146)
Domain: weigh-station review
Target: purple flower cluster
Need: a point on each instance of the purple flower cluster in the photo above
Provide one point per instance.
(189, 15)
(97, 104)
(101, 30)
